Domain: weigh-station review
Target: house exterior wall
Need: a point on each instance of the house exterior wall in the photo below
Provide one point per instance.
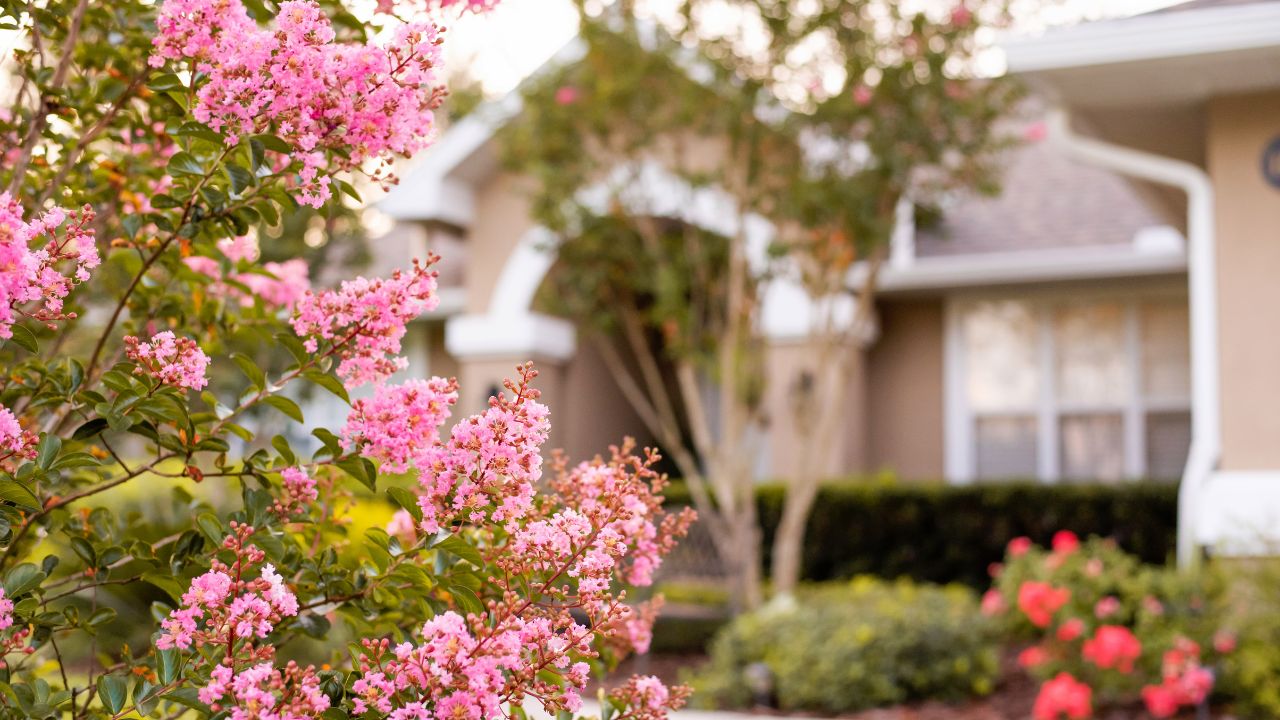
(904, 407)
(502, 219)
(785, 364)
(1248, 245)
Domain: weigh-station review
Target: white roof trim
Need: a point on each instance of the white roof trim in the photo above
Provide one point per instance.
(1027, 266)
(1148, 37)
(422, 196)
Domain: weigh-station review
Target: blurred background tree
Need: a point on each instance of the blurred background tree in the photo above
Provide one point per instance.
(825, 118)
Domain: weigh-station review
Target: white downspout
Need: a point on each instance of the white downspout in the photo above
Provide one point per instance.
(1206, 428)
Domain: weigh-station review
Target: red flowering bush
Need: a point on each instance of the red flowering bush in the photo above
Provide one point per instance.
(172, 129)
(1106, 629)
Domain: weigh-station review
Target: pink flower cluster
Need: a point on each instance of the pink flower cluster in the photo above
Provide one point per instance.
(6, 611)
(14, 441)
(299, 491)
(230, 614)
(276, 284)
(644, 697)
(400, 422)
(31, 254)
(372, 102)
(1063, 697)
(265, 692)
(490, 464)
(363, 321)
(1185, 682)
(172, 360)
(412, 8)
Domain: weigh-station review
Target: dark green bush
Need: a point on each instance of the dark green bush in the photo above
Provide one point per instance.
(951, 533)
(861, 644)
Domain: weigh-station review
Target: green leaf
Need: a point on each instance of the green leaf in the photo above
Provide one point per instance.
(462, 549)
(165, 82)
(211, 527)
(361, 469)
(113, 691)
(19, 494)
(467, 599)
(183, 163)
(167, 665)
(84, 549)
(89, 429)
(251, 370)
(165, 582)
(406, 500)
(74, 460)
(285, 405)
(48, 450)
(22, 579)
(282, 446)
(240, 178)
(25, 339)
(273, 143)
(328, 382)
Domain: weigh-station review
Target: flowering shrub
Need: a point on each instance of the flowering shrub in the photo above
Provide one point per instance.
(856, 645)
(1107, 629)
(499, 581)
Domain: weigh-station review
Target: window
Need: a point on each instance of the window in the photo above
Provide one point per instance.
(1069, 390)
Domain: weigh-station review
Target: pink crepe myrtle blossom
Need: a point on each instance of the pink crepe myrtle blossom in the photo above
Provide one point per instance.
(410, 8)
(298, 491)
(363, 321)
(265, 692)
(41, 261)
(401, 422)
(487, 469)
(14, 441)
(646, 698)
(221, 604)
(282, 285)
(373, 102)
(171, 360)
(6, 611)
(403, 526)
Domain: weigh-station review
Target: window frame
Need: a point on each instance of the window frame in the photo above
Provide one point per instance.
(960, 440)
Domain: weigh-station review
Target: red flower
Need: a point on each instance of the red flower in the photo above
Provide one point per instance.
(1019, 546)
(1160, 701)
(994, 569)
(1033, 657)
(1039, 601)
(1063, 696)
(1065, 542)
(1071, 629)
(1113, 647)
(992, 602)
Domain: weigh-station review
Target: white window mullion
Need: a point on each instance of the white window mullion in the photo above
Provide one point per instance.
(1048, 460)
(961, 458)
(1135, 418)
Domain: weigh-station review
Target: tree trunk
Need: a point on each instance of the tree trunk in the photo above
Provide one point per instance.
(788, 541)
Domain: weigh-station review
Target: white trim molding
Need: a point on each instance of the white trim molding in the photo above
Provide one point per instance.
(1241, 516)
(1148, 37)
(529, 335)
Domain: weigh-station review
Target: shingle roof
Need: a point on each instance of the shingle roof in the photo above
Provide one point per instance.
(1047, 201)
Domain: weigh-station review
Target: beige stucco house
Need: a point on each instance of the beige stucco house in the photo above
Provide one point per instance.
(1111, 316)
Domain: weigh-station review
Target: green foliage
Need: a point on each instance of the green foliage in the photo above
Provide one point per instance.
(1251, 674)
(952, 533)
(863, 644)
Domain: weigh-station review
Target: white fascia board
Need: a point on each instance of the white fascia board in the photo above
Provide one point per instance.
(954, 271)
(424, 194)
(1147, 37)
(525, 337)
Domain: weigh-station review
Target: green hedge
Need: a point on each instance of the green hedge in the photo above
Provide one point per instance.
(951, 533)
(851, 646)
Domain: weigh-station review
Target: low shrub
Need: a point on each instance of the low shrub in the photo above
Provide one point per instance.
(860, 644)
(1107, 629)
(1251, 674)
(950, 533)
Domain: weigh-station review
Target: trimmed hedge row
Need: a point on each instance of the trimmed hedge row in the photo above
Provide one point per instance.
(951, 533)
